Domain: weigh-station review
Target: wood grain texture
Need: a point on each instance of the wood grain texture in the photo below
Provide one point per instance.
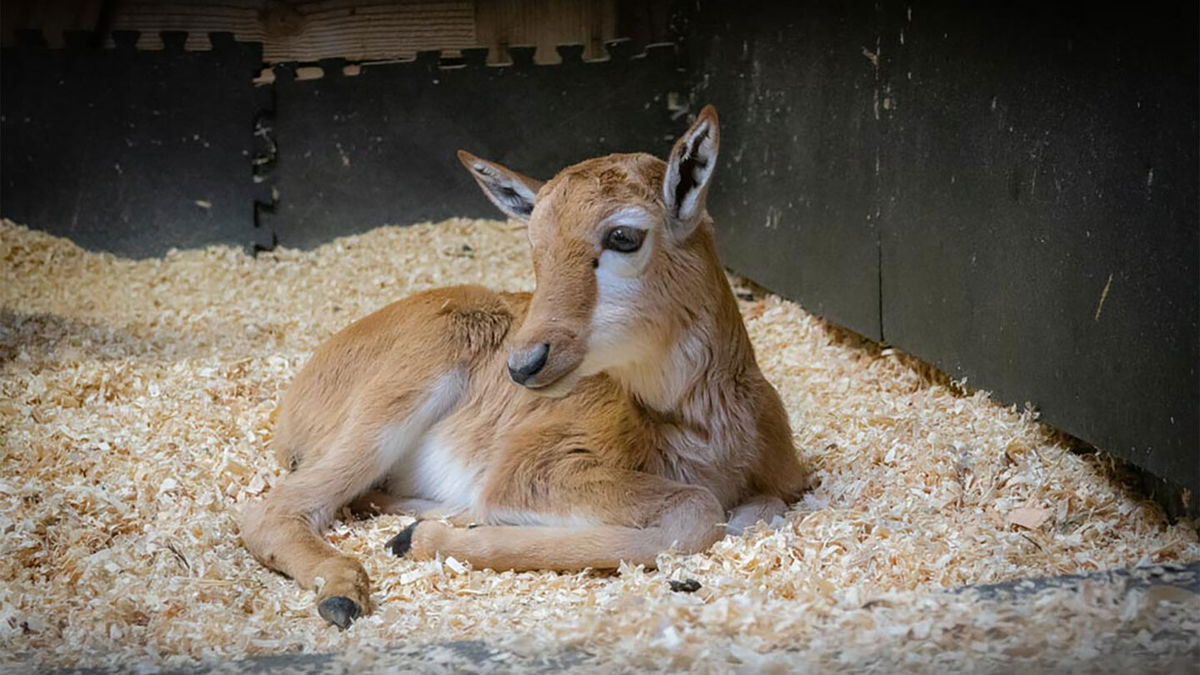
(243, 18)
(51, 17)
(349, 29)
(545, 24)
(360, 31)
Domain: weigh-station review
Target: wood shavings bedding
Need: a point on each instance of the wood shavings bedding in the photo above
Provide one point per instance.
(136, 397)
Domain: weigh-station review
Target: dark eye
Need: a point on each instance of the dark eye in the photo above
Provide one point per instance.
(624, 239)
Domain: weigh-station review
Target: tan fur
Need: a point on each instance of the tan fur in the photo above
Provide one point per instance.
(676, 429)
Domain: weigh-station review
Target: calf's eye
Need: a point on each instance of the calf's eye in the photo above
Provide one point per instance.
(624, 239)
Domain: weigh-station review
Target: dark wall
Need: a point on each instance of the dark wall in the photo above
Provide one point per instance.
(136, 152)
(1008, 191)
(128, 151)
(379, 148)
(1043, 233)
(794, 199)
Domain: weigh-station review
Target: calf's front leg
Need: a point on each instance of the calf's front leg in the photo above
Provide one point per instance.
(284, 531)
(641, 515)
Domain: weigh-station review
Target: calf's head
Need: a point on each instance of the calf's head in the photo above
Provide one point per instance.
(615, 247)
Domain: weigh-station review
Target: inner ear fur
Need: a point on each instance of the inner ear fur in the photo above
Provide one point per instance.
(690, 168)
(512, 192)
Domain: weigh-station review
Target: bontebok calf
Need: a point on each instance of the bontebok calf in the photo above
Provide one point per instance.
(615, 413)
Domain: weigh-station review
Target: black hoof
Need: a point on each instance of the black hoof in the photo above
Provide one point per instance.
(689, 586)
(400, 543)
(339, 611)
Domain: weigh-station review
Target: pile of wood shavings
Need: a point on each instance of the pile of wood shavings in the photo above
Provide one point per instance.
(135, 399)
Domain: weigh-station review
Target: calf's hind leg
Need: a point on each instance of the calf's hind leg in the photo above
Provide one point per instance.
(760, 509)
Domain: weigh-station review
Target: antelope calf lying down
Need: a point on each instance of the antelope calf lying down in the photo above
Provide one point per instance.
(613, 414)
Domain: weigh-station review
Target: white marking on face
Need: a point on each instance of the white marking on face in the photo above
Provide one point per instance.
(616, 316)
(615, 263)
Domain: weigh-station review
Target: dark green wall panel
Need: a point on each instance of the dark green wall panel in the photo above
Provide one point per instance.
(1006, 190)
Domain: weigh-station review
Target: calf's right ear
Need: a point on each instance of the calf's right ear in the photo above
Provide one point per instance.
(512, 192)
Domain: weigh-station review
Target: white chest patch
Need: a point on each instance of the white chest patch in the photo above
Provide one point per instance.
(419, 461)
(437, 474)
(431, 470)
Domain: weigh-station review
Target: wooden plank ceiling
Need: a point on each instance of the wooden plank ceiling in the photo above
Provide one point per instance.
(353, 29)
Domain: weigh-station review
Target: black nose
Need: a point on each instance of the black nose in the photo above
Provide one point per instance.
(525, 364)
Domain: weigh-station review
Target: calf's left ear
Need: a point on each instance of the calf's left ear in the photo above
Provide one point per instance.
(512, 192)
(689, 170)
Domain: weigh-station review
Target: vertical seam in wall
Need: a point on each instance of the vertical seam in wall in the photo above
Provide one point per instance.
(881, 126)
(879, 271)
(264, 158)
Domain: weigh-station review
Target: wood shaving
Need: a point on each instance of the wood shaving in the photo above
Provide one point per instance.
(1028, 517)
(136, 397)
